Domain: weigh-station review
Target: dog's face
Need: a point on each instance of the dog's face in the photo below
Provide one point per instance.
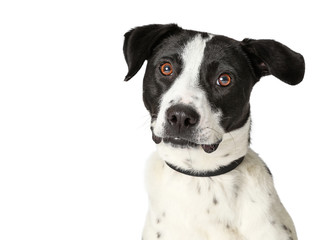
(197, 86)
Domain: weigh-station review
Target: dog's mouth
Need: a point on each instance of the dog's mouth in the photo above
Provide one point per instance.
(183, 143)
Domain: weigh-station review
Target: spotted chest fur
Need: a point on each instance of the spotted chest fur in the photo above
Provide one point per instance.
(215, 208)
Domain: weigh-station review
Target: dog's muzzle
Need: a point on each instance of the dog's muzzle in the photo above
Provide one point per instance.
(180, 127)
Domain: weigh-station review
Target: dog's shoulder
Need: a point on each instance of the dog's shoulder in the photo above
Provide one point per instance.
(254, 166)
(255, 174)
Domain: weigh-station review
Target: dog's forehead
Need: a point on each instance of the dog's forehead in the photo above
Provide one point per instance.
(221, 47)
(216, 45)
(174, 44)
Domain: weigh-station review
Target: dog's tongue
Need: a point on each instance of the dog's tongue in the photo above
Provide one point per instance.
(209, 148)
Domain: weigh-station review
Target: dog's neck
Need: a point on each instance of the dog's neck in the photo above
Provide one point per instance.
(234, 145)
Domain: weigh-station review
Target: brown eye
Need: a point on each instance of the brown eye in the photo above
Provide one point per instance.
(166, 69)
(224, 80)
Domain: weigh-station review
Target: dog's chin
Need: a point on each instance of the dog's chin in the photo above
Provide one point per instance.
(178, 142)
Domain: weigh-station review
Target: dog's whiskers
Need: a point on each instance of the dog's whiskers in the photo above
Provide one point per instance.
(217, 135)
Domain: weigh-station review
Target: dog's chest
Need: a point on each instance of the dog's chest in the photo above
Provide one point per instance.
(208, 205)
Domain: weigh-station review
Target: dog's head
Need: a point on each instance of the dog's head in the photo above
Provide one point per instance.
(197, 87)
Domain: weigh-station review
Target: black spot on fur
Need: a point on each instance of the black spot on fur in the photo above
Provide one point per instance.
(158, 235)
(287, 229)
(236, 190)
(158, 221)
(215, 201)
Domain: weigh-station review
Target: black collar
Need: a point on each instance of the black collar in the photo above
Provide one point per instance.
(219, 171)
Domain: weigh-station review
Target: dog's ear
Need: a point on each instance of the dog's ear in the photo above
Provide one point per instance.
(140, 41)
(272, 57)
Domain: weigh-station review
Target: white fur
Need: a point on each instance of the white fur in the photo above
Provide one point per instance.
(239, 205)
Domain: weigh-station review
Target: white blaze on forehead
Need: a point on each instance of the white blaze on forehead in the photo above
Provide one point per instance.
(183, 89)
(185, 84)
(192, 57)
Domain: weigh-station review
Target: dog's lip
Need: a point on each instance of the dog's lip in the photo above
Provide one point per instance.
(208, 148)
(179, 141)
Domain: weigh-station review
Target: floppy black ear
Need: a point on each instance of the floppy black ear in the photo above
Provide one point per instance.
(272, 57)
(140, 41)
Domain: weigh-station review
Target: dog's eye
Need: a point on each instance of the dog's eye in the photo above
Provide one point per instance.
(166, 69)
(224, 80)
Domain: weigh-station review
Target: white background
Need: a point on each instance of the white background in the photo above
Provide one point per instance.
(74, 137)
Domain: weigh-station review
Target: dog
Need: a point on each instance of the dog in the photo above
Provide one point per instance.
(204, 182)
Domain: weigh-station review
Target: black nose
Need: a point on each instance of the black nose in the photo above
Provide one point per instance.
(181, 118)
